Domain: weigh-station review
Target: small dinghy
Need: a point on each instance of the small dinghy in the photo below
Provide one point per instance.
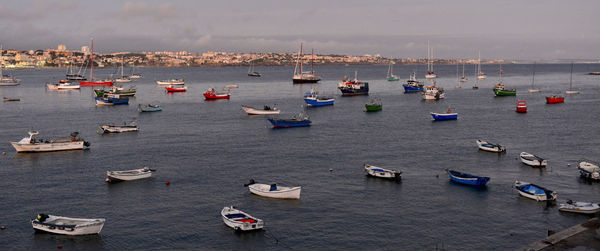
(449, 115)
(274, 191)
(532, 160)
(134, 174)
(382, 172)
(535, 192)
(490, 147)
(296, 121)
(467, 179)
(589, 169)
(149, 108)
(68, 226)
(239, 220)
(267, 110)
(579, 207)
(131, 127)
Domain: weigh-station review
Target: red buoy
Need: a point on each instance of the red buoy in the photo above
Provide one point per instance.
(167, 183)
(59, 246)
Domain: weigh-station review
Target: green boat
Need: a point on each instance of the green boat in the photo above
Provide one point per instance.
(115, 91)
(373, 106)
(499, 90)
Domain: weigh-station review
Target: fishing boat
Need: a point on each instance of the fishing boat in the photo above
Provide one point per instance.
(390, 74)
(490, 147)
(116, 90)
(212, 94)
(252, 72)
(433, 93)
(267, 110)
(463, 78)
(534, 192)
(412, 85)
(123, 78)
(533, 90)
(299, 120)
(354, 87)
(373, 106)
(555, 99)
(379, 172)
(467, 179)
(131, 127)
(178, 81)
(66, 225)
(6, 80)
(135, 174)
(11, 99)
(480, 74)
(239, 220)
(532, 160)
(430, 73)
(62, 86)
(500, 90)
(301, 77)
(579, 207)
(521, 106)
(589, 169)
(93, 82)
(274, 191)
(149, 108)
(111, 100)
(32, 144)
(571, 91)
(176, 88)
(449, 115)
(313, 99)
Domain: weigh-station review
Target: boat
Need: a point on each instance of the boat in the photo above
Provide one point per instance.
(379, 172)
(534, 192)
(579, 207)
(149, 108)
(267, 110)
(11, 99)
(75, 76)
(111, 100)
(467, 179)
(135, 174)
(123, 78)
(555, 99)
(231, 86)
(313, 99)
(212, 94)
(116, 90)
(301, 77)
(433, 93)
(299, 120)
(490, 147)
(594, 73)
(373, 106)
(457, 86)
(449, 115)
(131, 127)
(354, 87)
(178, 81)
(589, 169)
(390, 74)
(93, 82)
(521, 106)
(571, 91)
(412, 85)
(430, 73)
(62, 86)
(500, 90)
(274, 191)
(463, 78)
(133, 74)
(176, 88)
(533, 90)
(532, 160)
(239, 220)
(6, 80)
(252, 72)
(66, 225)
(475, 87)
(32, 144)
(480, 74)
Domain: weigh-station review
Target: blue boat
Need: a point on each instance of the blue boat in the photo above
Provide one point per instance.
(354, 87)
(112, 100)
(534, 192)
(444, 116)
(412, 85)
(316, 100)
(467, 179)
(295, 121)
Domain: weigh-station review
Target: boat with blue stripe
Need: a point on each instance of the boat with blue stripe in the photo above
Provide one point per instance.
(449, 115)
(467, 179)
(112, 100)
(535, 192)
(313, 99)
(354, 87)
(412, 85)
(296, 121)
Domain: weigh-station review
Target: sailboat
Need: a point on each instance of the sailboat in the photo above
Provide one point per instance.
(390, 74)
(123, 79)
(570, 91)
(480, 74)
(133, 74)
(457, 79)
(6, 80)
(475, 87)
(251, 71)
(533, 81)
(463, 78)
(301, 77)
(430, 73)
(92, 82)
(74, 76)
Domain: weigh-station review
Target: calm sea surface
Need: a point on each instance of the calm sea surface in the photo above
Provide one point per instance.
(208, 150)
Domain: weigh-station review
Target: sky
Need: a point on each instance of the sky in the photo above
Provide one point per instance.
(501, 29)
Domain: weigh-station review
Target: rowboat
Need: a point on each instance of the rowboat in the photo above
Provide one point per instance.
(178, 81)
(67, 226)
(534, 192)
(134, 174)
(149, 108)
(382, 172)
(274, 191)
(532, 160)
(239, 220)
(449, 115)
(32, 144)
(267, 110)
(212, 94)
(467, 179)
(589, 169)
(373, 106)
(62, 86)
(490, 147)
(555, 99)
(579, 207)
(521, 106)
(131, 127)
(296, 121)
(176, 88)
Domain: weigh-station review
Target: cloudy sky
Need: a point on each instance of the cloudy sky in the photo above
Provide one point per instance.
(507, 29)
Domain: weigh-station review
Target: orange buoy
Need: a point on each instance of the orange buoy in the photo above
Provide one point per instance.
(2, 227)
(167, 183)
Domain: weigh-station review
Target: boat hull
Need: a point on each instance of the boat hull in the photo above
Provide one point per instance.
(253, 111)
(580, 207)
(305, 81)
(467, 179)
(373, 107)
(285, 123)
(93, 83)
(532, 160)
(378, 172)
(216, 96)
(280, 193)
(93, 227)
(48, 147)
(503, 92)
(353, 92)
(485, 146)
(555, 100)
(312, 102)
(535, 192)
(239, 220)
(118, 129)
(129, 175)
(444, 116)
(412, 89)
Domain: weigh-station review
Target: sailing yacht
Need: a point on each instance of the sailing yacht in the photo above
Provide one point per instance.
(74, 76)
(390, 74)
(475, 87)
(6, 80)
(532, 90)
(252, 72)
(301, 77)
(571, 91)
(92, 81)
(463, 78)
(458, 80)
(123, 79)
(133, 74)
(430, 73)
(480, 74)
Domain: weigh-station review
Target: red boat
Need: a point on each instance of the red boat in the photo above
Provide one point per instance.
(555, 99)
(212, 94)
(521, 106)
(92, 82)
(176, 88)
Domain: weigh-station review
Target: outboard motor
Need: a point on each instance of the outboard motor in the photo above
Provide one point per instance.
(42, 217)
(87, 143)
(74, 134)
(249, 183)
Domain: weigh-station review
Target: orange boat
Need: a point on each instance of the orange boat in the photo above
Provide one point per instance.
(555, 99)
(212, 94)
(521, 106)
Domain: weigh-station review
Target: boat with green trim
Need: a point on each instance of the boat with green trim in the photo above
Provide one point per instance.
(373, 106)
(116, 90)
(499, 90)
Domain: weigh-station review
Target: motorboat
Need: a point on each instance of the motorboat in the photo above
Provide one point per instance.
(62, 86)
(131, 127)
(433, 93)
(532, 160)
(412, 85)
(240, 220)
(579, 207)
(313, 99)
(66, 225)
(373, 106)
(379, 172)
(267, 110)
(589, 169)
(149, 108)
(274, 191)
(126, 175)
(296, 121)
(111, 100)
(521, 106)
(212, 94)
(32, 144)
(535, 192)
(178, 81)
(176, 88)
(449, 115)
(467, 179)
(354, 87)
(490, 147)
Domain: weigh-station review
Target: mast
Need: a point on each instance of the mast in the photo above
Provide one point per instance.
(428, 57)
(479, 62)
(431, 60)
(92, 59)
(533, 76)
(571, 78)
(1, 61)
(300, 55)
(122, 62)
(312, 57)
(463, 75)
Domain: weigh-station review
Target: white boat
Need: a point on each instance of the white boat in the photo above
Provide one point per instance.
(32, 144)
(131, 127)
(579, 207)
(433, 93)
(134, 174)
(382, 172)
(239, 220)
(480, 74)
(62, 86)
(6, 80)
(265, 111)
(571, 91)
(123, 78)
(532, 160)
(534, 192)
(430, 73)
(533, 90)
(68, 226)
(231, 86)
(133, 74)
(490, 147)
(274, 191)
(589, 169)
(178, 81)
(463, 78)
